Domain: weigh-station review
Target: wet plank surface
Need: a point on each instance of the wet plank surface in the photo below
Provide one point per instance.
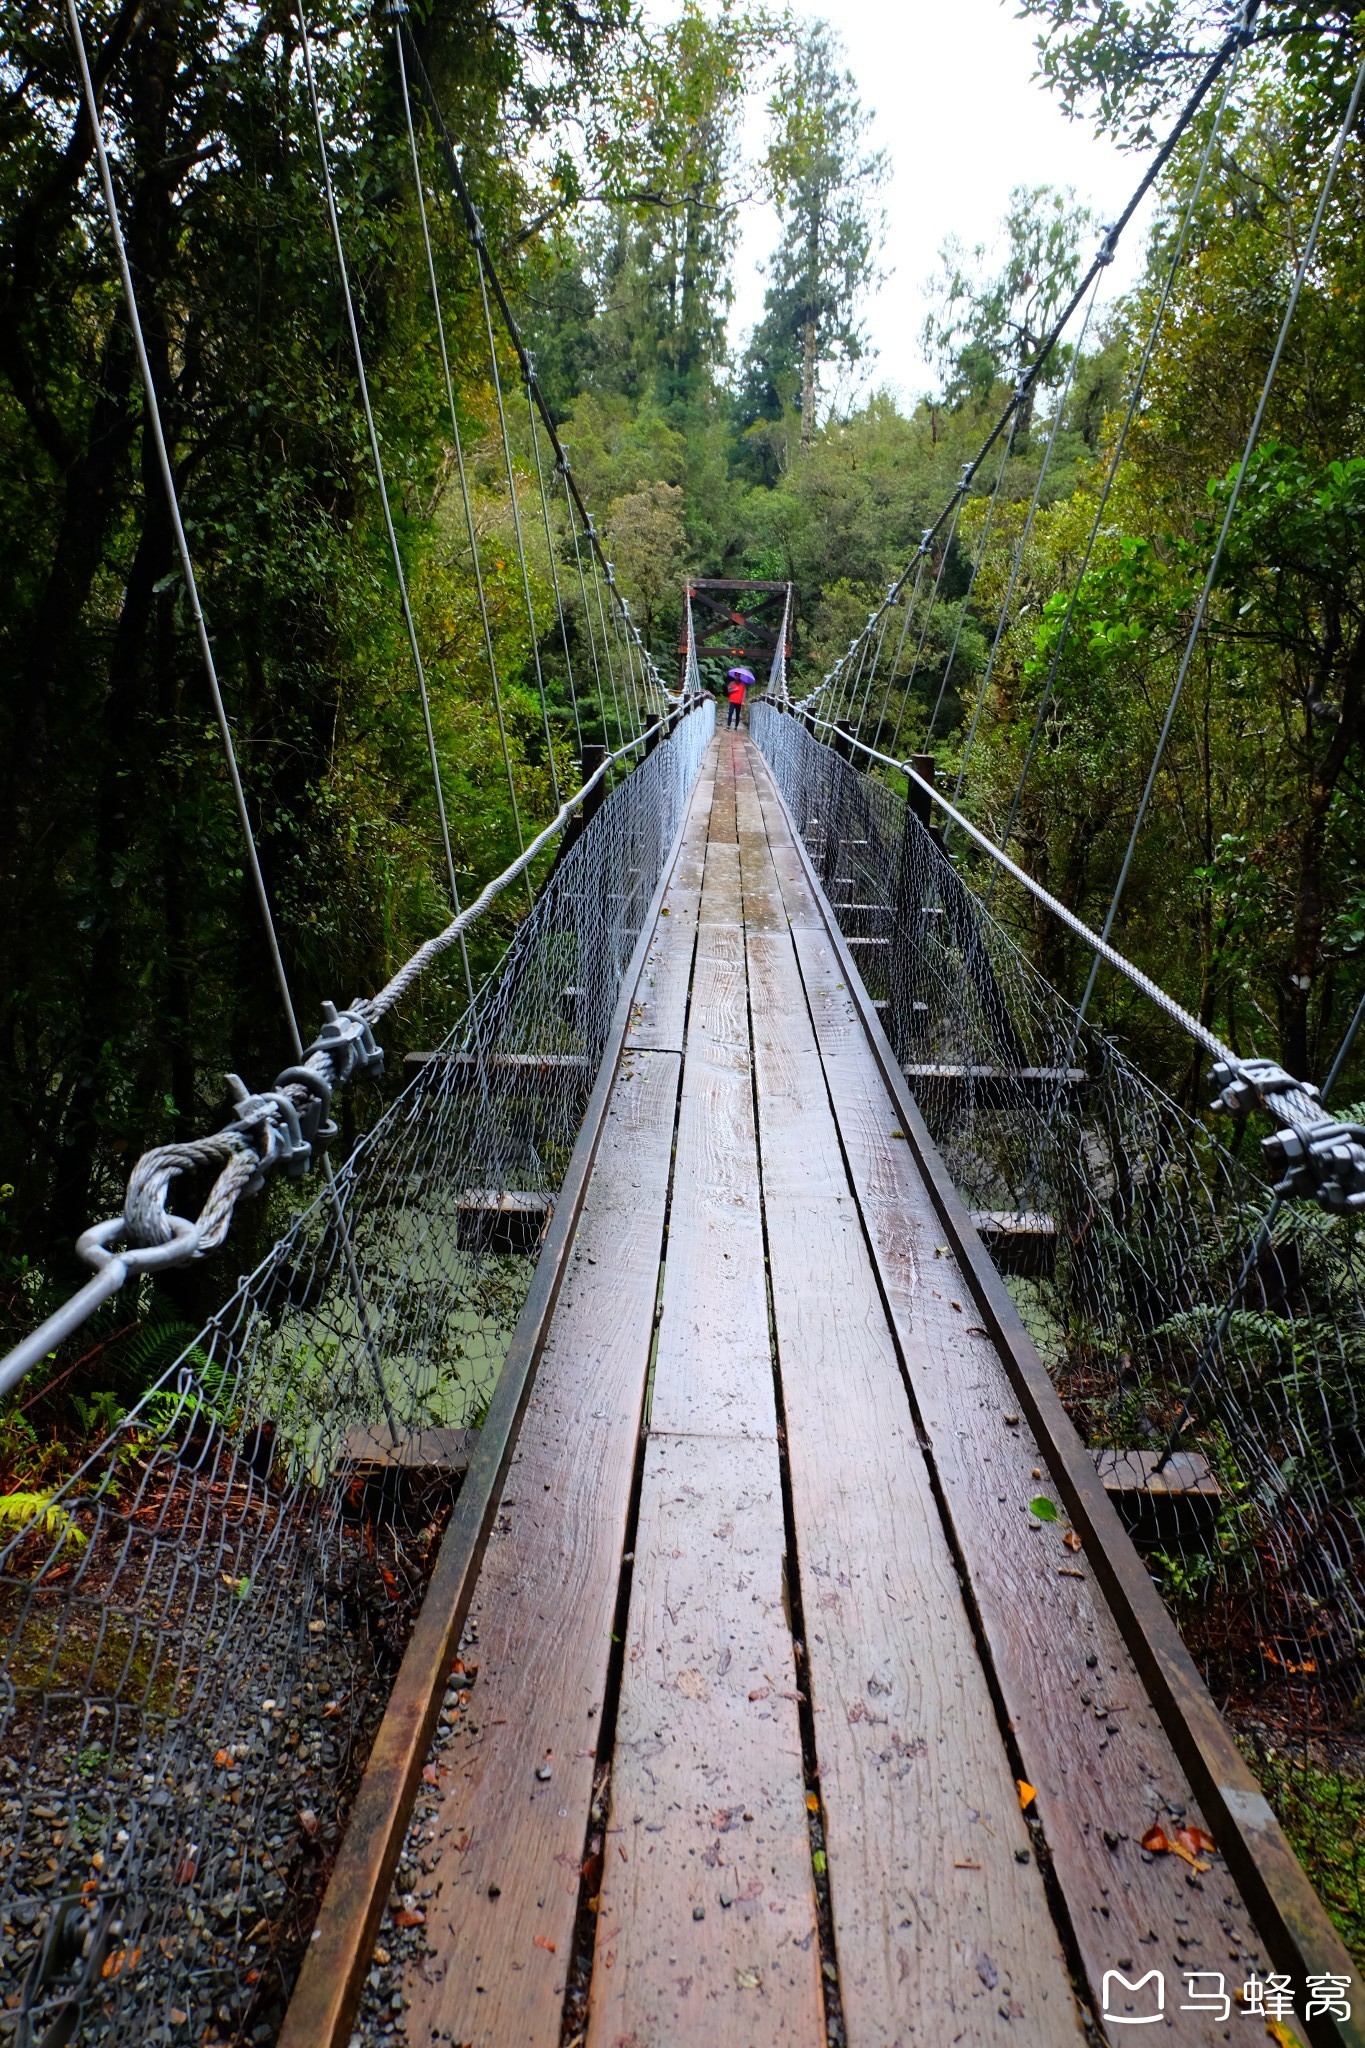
(505, 1879)
(707, 1922)
(941, 1917)
(1088, 1737)
(769, 1419)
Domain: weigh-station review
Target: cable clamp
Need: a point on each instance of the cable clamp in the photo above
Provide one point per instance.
(1325, 1162)
(1109, 246)
(314, 1114)
(269, 1122)
(349, 1044)
(1244, 1084)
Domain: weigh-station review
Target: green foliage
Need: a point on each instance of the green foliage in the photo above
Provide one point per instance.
(821, 180)
(39, 1511)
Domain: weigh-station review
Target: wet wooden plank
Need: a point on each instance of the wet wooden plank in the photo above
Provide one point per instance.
(505, 1866)
(764, 908)
(713, 1371)
(707, 1928)
(660, 1011)
(797, 897)
(1089, 1739)
(942, 1922)
(721, 900)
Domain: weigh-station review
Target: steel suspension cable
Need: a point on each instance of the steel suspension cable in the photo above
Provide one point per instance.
(987, 522)
(892, 672)
(607, 649)
(493, 283)
(458, 442)
(1024, 536)
(362, 379)
(554, 568)
(1134, 400)
(182, 546)
(926, 620)
(1235, 40)
(1234, 496)
(516, 526)
(587, 608)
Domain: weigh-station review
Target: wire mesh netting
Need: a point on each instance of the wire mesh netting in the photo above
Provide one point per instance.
(1208, 1342)
(200, 1626)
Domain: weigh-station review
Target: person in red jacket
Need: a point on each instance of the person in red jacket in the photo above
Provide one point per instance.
(738, 680)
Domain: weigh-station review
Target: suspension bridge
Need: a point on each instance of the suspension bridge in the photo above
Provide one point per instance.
(756, 1378)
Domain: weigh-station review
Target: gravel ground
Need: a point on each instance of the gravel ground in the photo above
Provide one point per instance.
(402, 1941)
(163, 1868)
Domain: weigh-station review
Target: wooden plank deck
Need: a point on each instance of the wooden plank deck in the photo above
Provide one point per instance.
(771, 1449)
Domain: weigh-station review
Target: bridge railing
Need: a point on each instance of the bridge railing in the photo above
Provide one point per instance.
(1207, 1339)
(199, 1628)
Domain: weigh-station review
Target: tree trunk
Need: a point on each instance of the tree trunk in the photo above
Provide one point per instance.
(807, 384)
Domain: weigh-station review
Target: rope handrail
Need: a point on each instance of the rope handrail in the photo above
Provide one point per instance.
(1315, 1154)
(280, 1129)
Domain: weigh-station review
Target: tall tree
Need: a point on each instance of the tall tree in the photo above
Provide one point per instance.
(822, 180)
(990, 321)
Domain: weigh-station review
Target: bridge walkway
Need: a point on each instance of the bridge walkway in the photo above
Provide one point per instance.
(765, 1636)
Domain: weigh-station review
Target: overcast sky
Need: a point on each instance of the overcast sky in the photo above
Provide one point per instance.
(950, 86)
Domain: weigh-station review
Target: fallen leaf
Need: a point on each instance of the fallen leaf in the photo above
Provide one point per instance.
(812, 1803)
(1072, 1540)
(1154, 1841)
(975, 1330)
(542, 1942)
(122, 1959)
(748, 1980)
(1027, 1794)
(1043, 1508)
(222, 1758)
(1197, 1841)
(409, 1916)
(760, 1692)
(966, 1866)
(430, 1775)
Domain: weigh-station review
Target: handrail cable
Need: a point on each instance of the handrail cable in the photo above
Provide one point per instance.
(1318, 1155)
(287, 1125)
